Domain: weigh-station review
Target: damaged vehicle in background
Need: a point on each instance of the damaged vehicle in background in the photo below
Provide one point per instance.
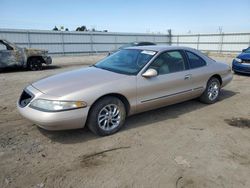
(12, 55)
(131, 81)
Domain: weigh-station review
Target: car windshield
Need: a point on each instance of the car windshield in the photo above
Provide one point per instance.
(8, 44)
(127, 61)
(247, 50)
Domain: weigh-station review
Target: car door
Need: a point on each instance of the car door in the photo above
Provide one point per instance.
(171, 85)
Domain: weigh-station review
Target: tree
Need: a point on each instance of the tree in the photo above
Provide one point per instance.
(55, 29)
(82, 28)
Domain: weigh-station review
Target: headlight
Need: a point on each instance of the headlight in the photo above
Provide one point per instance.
(238, 60)
(55, 106)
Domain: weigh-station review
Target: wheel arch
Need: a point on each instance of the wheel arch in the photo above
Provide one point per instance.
(218, 77)
(117, 95)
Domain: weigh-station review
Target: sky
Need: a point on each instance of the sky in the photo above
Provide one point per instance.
(140, 16)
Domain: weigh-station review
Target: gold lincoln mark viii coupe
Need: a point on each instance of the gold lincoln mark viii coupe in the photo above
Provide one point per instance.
(130, 81)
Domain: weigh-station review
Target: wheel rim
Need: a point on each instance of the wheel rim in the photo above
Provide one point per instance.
(213, 91)
(35, 66)
(109, 117)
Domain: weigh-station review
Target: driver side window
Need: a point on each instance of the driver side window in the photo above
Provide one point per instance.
(168, 62)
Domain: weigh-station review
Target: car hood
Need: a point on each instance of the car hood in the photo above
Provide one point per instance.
(74, 81)
(33, 51)
(244, 56)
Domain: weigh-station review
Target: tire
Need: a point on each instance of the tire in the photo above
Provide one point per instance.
(212, 92)
(235, 72)
(104, 111)
(35, 64)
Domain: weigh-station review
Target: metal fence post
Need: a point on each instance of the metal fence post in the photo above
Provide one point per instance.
(221, 42)
(198, 41)
(169, 41)
(249, 41)
(91, 42)
(170, 37)
(115, 42)
(28, 35)
(62, 38)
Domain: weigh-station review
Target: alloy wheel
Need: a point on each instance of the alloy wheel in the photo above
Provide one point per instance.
(109, 117)
(213, 91)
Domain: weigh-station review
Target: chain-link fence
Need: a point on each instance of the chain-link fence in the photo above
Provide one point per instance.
(65, 42)
(219, 43)
(58, 42)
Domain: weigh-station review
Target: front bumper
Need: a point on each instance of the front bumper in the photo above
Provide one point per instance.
(47, 60)
(239, 67)
(70, 119)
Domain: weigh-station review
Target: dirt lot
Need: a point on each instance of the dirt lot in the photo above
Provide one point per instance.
(185, 145)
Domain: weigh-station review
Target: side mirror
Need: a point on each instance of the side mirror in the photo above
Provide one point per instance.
(244, 50)
(150, 73)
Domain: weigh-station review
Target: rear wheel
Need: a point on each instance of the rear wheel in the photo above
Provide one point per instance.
(107, 116)
(35, 64)
(212, 92)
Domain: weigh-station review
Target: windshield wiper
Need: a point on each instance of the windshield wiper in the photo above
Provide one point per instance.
(99, 67)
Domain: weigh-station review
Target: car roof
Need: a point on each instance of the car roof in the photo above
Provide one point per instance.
(4, 40)
(160, 48)
(145, 42)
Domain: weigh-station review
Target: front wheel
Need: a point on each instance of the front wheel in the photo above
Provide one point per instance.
(35, 64)
(212, 92)
(107, 116)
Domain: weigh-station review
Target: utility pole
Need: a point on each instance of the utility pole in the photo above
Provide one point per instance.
(220, 29)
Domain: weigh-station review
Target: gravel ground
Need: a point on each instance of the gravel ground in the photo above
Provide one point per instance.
(184, 145)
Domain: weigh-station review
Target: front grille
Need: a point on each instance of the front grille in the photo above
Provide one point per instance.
(246, 61)
(25, 98)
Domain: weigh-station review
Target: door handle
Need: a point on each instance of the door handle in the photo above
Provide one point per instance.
(188, 77)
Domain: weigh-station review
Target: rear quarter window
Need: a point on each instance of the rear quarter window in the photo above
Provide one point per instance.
(194, 60)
